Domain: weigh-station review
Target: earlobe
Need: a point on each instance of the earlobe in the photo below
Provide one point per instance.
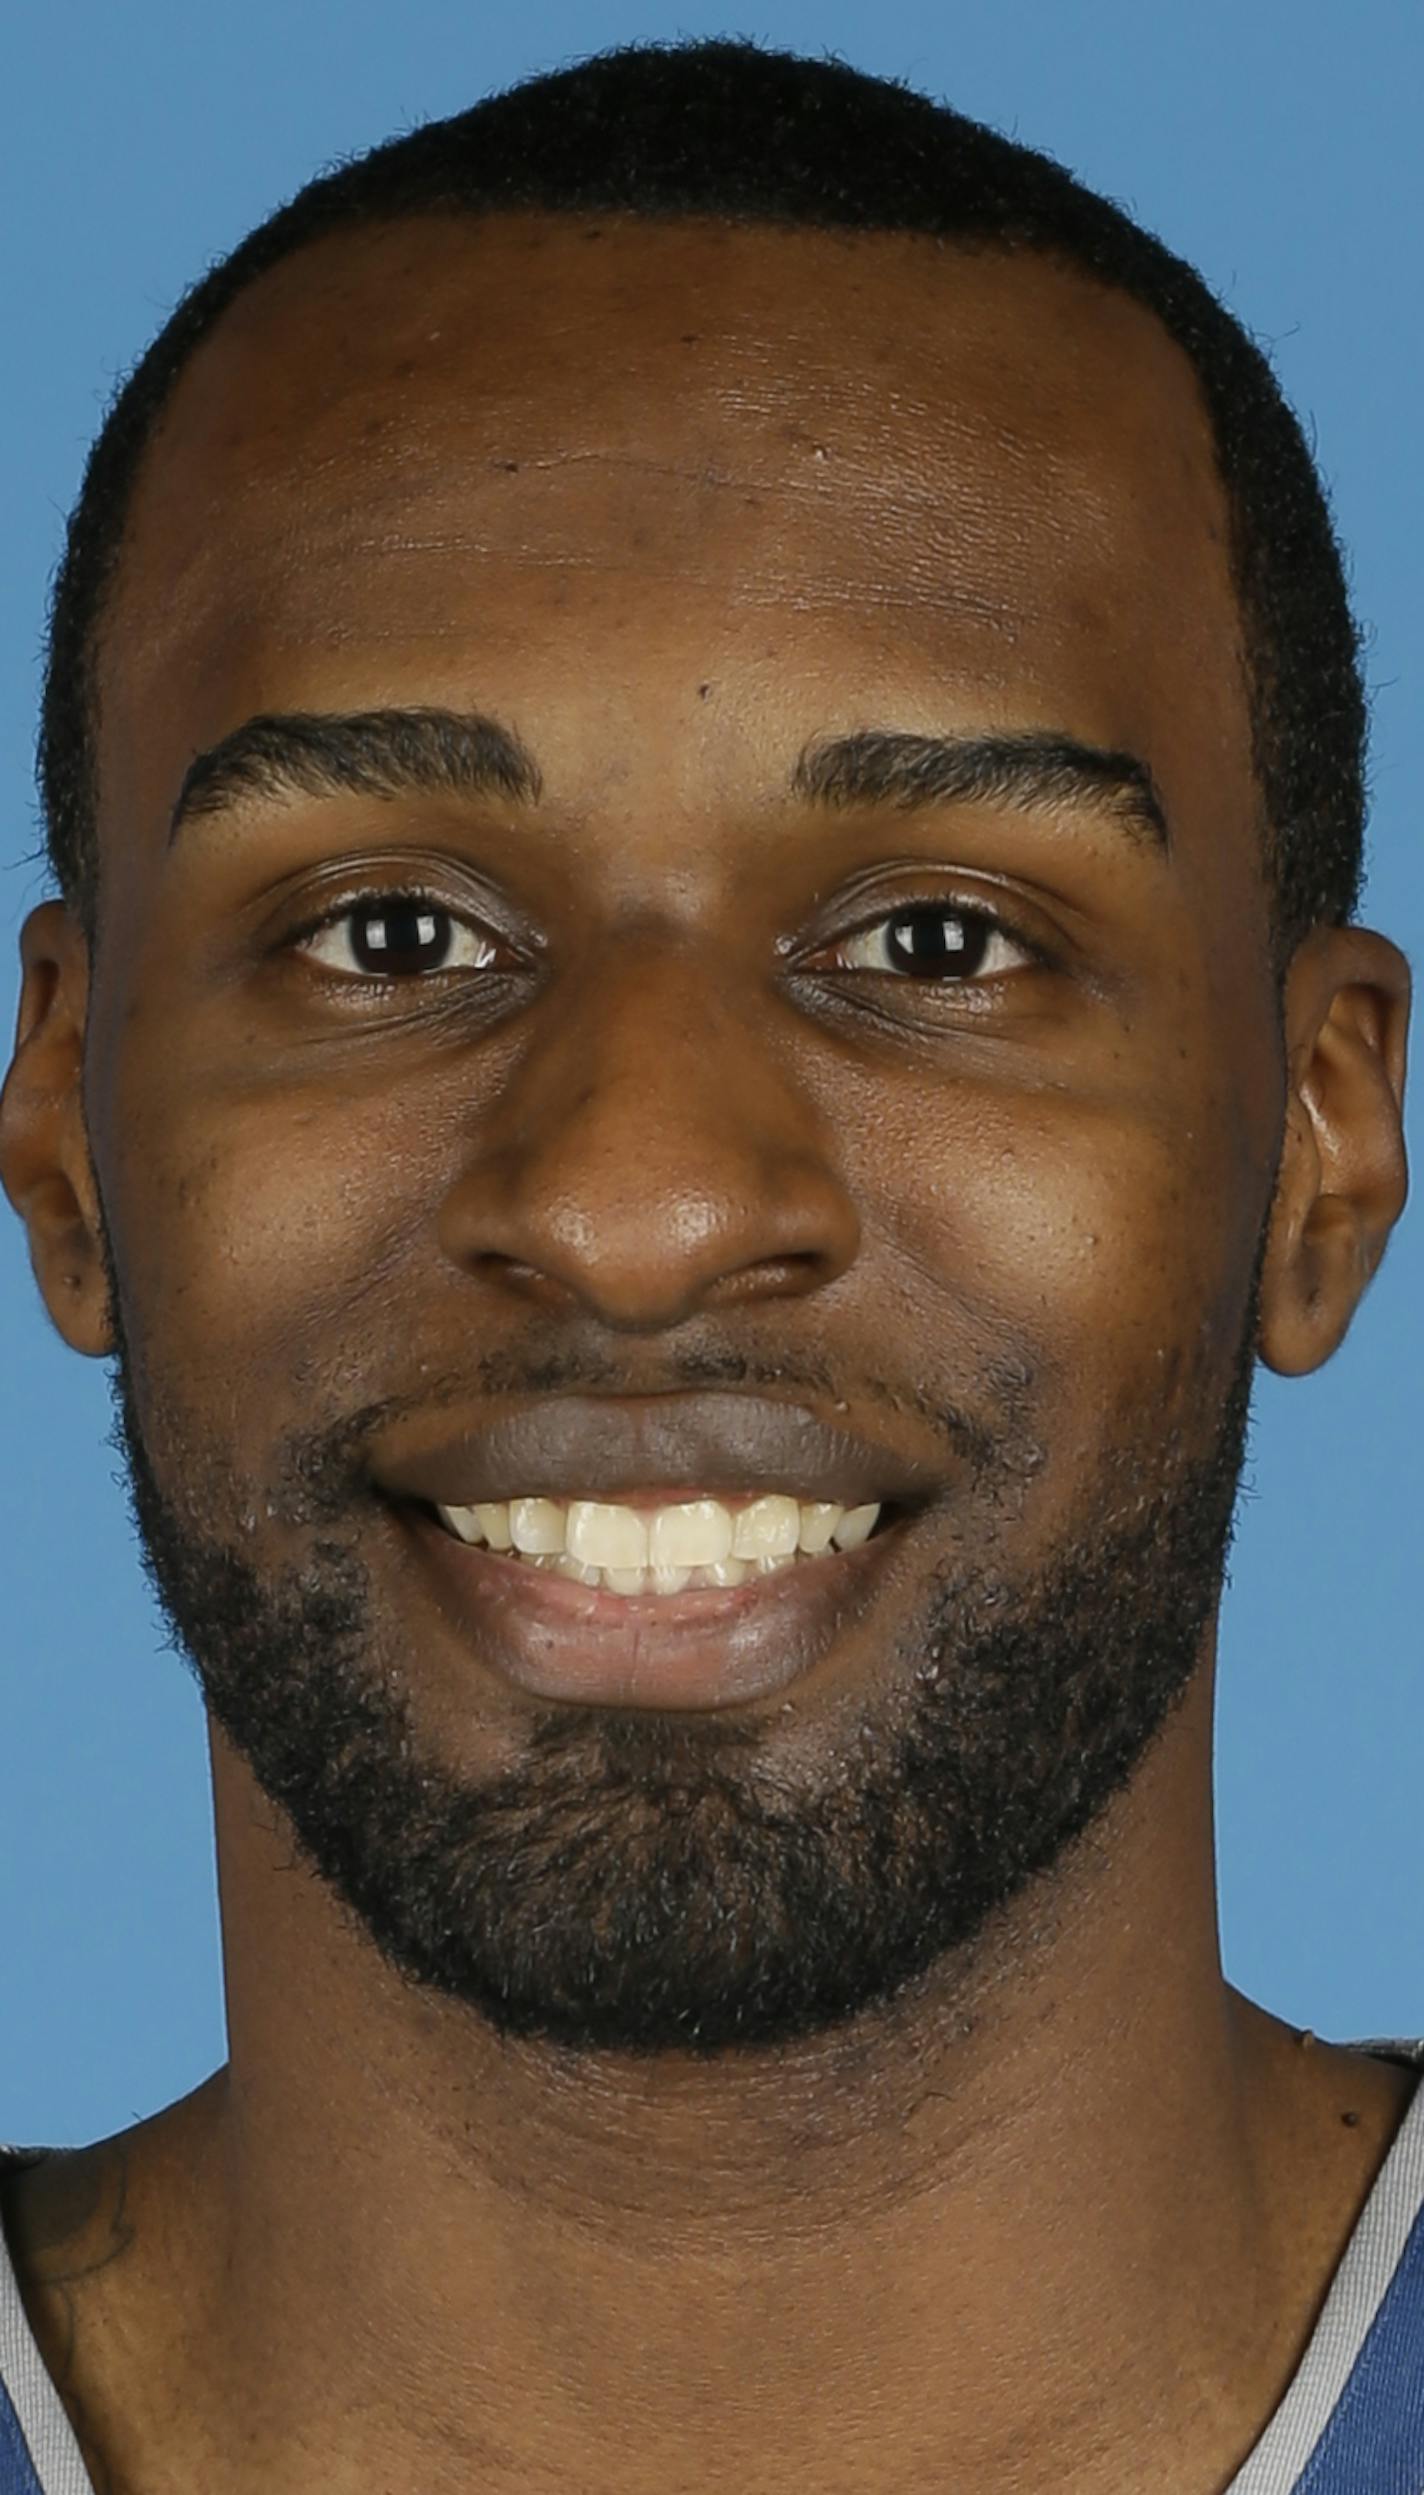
(45, 1164)
(1343, 1174)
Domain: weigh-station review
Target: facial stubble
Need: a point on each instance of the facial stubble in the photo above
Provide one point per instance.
(638, 1883)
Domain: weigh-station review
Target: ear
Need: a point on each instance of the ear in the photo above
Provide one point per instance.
(45, 1166)
(1343, 1175)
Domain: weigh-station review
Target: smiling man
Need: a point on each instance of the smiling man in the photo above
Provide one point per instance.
(703, 759)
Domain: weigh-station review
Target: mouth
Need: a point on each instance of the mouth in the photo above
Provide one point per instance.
(707, 1603)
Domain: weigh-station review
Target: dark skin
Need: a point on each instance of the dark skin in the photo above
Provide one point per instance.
(1068, 2216)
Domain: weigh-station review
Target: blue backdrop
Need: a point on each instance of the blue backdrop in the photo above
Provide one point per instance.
(1277, 146)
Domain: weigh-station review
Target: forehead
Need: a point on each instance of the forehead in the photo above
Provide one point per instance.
(441, 444)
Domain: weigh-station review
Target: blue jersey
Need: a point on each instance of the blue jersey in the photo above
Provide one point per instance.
(1351, 2421)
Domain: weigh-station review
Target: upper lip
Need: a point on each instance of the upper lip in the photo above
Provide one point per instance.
(596, 1446)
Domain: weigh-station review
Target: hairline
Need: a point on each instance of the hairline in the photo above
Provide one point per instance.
(356, 222)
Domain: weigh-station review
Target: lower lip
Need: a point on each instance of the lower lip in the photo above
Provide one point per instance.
(710, 1647)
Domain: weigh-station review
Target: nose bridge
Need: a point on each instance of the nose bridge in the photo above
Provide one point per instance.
(652, 1145)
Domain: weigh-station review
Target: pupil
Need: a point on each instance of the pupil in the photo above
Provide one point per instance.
(949, 941)
(397, 937)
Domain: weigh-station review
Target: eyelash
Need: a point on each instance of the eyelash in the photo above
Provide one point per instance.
(993, 922)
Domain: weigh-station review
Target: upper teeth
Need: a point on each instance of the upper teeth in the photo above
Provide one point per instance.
(697, 1533)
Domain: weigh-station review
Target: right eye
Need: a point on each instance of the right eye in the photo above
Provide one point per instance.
(395, 936)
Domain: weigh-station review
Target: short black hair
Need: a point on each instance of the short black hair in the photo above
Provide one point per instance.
(741, 133)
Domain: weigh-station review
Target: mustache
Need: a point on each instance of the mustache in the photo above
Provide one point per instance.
(321, 1471)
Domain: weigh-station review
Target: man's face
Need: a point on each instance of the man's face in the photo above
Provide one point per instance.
(666, 1094)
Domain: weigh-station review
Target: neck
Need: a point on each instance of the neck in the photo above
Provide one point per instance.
(1044, 2218)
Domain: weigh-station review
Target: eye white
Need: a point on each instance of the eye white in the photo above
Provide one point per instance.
(984, 950)
(382, 937)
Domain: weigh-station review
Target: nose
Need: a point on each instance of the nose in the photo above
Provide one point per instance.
(652, 1153)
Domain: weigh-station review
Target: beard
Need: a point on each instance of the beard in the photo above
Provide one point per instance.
(643, 1883)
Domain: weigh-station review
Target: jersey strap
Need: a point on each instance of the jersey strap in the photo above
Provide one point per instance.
(17, 2470)
(1375, 2437)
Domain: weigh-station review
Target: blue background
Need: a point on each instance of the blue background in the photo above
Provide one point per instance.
(1274, 144)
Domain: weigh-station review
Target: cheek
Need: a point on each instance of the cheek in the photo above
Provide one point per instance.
(278, 1242)
(258, 1236)
(1108, 1246)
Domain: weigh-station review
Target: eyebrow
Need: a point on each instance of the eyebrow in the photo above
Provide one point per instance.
(285, 755)
(281, 755)
(1029, 768)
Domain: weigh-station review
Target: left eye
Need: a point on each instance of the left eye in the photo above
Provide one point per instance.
(396, 935)
(936, 941)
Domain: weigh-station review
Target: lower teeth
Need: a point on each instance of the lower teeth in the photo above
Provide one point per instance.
(725, 1573)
